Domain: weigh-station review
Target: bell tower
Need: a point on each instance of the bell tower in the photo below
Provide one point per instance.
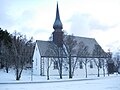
(58, 33)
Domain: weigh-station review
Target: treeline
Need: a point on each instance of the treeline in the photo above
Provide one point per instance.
(15, 52)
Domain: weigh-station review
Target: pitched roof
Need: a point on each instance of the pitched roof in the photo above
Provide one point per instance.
(48, 49)
(89, 42)
(42, 46)
(45, 47)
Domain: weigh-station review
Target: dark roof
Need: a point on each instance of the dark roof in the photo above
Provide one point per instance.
(89, 42)
(42, 46)
(48, 49)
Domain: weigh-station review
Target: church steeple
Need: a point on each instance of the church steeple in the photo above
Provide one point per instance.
(58, 33)
(57, 24)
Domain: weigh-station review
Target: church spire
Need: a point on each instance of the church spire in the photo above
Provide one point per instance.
(58, 33)
(57, 24)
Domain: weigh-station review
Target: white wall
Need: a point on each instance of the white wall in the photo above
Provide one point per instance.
(90, 71)
(78, 72)
(36, 61)
(52, 71)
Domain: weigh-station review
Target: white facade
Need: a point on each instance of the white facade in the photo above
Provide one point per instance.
(36, 61)
(90, 70)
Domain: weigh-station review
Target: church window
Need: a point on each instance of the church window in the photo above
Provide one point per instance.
(91, 64)
(55, 65)
(81, 65)
(100, 64)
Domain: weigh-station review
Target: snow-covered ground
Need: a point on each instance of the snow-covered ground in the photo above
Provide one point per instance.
(8, 82)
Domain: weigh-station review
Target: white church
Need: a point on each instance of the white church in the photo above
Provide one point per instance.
(87, 56)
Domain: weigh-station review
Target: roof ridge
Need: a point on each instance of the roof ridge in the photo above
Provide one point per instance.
(82, 37)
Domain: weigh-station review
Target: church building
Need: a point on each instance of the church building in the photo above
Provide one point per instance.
(87, 54)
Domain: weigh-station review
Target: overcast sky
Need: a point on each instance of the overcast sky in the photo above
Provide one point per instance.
(99, 19)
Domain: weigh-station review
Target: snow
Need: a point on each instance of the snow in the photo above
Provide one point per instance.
(8, 82)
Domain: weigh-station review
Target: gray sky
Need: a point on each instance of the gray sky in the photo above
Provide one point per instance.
(99, 19)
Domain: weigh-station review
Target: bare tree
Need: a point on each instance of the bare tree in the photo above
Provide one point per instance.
(75, 51)
(49, 53)
(98, 53)
(116, 59)
(103, 66)
(70, 44)
(49, 62)
(57, 53)
(20, 52)
(18, 58)
(15, 51)
(83, 53)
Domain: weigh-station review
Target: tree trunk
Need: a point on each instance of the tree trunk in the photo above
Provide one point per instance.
(48, 71)
(98, 72)
(60, 70)
(17, 75)
(70, 67)
(7, 70)
(73, 69)
(103, 69)
(86, 70)
(20, 73)
(6, 67)
(60, 67)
